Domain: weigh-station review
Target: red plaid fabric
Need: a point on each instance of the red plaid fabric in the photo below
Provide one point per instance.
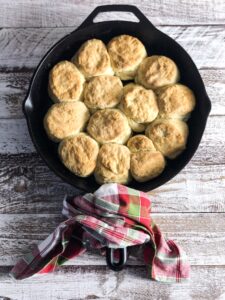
(114, 216)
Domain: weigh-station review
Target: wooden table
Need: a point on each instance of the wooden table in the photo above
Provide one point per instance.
(190, 208)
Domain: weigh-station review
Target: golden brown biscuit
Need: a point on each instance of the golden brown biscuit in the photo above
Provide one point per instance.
(175, 101)
(156, 71)
(65, 82)
(146, 162)
(140, 142)
(168, 136)
(92, 59)
(126, 53)
(136, 127)
(139, 104)
(113, 164)
(65, 119)
(103, 92)
(79, 154)
(109, 126)
(146, 165)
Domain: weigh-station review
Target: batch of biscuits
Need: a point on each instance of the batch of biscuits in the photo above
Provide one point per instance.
(115, 130)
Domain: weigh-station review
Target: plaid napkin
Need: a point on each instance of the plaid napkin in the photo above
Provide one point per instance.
(114, 216)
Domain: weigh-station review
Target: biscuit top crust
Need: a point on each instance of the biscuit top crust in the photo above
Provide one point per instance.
(65, 82)
(79, 154)
(93, 59)
(156, 71)
(175, 100)
(126, 51)
(140, 142)
(139, 104)
(114, 158)
(108, 125)
(103, 92)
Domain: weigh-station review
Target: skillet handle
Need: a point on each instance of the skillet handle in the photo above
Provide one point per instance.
(116, 266)
(107, 8)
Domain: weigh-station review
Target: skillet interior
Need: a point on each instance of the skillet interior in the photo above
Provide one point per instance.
(38, 101)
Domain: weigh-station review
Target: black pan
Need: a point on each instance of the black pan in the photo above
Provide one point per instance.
(37, 102)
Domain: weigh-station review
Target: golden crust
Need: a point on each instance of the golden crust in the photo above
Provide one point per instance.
(146, 165)
(140, 142)
(139, 104)
(113, 164)
(126, 53)
(175, 101)
(168, 136)
(136, 127)
(79, 154)
(156, 71)
(92, 59)
(109, 126)
(103, 92)
(65, 82)
(65, 119)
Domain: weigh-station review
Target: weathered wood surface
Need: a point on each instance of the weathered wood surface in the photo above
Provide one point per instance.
(73, 282)
(24, 47)
(71, 13)
(189, 209)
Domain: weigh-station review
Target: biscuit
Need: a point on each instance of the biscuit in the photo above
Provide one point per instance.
(79, 154)
(113, 164)
(65, 82)
(168, 136)
(175, 101)
(103, 92)
(156, 71)
(92, 59)
(140, 142)
(136, 127)
(126, 53)
(139, 104)
(146, 165)
(109, 126)
(65, 119)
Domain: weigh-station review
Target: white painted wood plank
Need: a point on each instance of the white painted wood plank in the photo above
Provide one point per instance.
(25, 47)
(206, 283)
(15, 138)
(14, 86)
(44, 13)
(201, 235)
(28, 186)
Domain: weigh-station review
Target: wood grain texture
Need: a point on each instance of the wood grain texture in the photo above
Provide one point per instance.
(206, 283)
(201, 237)
(14, 86)
(71, 13)
(25, 47)
(28, 186)
(189, 209)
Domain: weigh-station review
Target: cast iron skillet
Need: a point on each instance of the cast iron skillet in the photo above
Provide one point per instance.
(37, 101)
